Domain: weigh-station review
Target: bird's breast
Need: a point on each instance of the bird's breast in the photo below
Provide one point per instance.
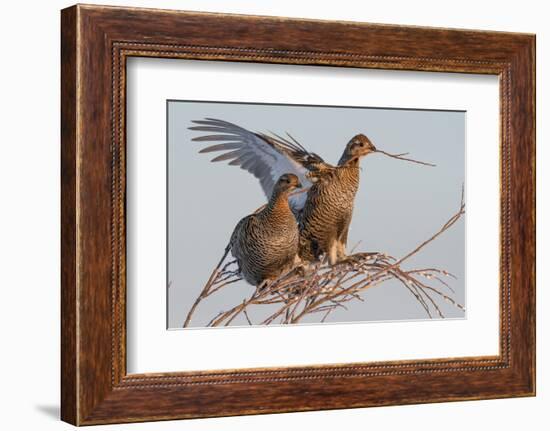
(337, 194)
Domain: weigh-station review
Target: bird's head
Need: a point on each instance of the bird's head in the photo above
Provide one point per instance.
(358, 146)
(287, 183)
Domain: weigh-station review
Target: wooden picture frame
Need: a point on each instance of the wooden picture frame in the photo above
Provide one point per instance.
(95, 43)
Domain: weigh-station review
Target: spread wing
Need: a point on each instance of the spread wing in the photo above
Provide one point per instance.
(266, 157)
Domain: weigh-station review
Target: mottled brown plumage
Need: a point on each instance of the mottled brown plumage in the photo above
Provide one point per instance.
(265, 243)
(325, 212)
(328, 209)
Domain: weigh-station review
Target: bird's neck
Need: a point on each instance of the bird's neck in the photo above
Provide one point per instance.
(349, 173)
(278, 207)
(348, 160)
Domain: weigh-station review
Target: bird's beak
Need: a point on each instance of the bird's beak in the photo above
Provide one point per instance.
(299, 185)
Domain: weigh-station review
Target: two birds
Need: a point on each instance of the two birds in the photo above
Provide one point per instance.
(292, 227)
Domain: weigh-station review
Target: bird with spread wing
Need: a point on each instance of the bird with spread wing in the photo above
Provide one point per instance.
(324, 213)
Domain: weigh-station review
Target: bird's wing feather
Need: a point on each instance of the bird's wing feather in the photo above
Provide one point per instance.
(265, 157)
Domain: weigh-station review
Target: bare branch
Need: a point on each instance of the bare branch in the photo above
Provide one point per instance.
(321, 288)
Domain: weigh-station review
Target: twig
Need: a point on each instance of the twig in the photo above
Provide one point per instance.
(400, 157)
(207, 286)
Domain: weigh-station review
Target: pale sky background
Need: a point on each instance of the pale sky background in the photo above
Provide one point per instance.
(398, 206)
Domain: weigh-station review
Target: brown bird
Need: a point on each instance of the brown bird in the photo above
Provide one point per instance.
(265, 243)
(325, 212)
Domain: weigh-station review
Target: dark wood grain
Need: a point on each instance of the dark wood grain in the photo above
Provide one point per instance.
(96, 41)
(68, 218)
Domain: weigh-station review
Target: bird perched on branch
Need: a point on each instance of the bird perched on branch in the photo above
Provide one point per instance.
(324, 213)
(265, 243)
(327, 212)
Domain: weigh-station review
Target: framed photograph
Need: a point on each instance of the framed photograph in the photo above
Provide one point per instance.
(264, 214)
(392, 206)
